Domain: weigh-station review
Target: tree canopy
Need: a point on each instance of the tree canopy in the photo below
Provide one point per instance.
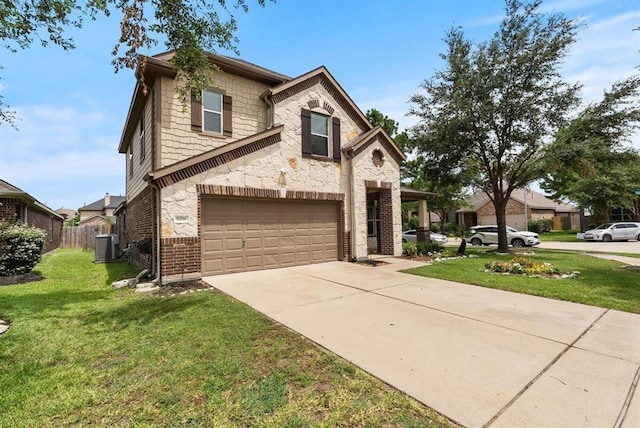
(493, 106)
(190, 28)
(590, 162)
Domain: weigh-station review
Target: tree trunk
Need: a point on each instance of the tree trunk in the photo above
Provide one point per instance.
(500, 206)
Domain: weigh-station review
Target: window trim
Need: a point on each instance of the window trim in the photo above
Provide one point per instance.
(221, 112)
(327, 136)
(131, 160)
(334, 147)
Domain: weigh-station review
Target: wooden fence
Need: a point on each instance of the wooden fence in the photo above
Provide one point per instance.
(83, 236)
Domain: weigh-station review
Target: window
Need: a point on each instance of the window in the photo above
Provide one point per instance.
(130, 160)
(319, 134)
(50, 229)
(141, 137)
(212, 112)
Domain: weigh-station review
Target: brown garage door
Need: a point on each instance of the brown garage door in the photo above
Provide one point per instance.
(250, 234)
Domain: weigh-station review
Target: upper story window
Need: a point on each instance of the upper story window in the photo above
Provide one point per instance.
(320, 136)
(131, 160)
(212, 112)
(141, 137)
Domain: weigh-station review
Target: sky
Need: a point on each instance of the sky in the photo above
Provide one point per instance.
(72, 106)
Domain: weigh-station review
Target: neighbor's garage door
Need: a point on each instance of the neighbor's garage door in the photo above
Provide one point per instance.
(249, 234)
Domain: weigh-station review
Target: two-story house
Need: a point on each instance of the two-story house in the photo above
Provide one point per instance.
(261, 171)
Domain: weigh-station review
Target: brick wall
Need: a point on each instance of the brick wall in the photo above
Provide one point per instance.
(386, 222)
(180, 255)
(8, 211)
(13, 210)
(139, 225)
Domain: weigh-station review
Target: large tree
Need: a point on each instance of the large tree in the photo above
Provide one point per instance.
(495, 104)
(591, 162)
(191, 28)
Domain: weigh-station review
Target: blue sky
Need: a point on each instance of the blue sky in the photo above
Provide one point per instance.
(72, 106)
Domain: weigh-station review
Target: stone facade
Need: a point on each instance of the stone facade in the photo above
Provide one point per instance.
(261, 172)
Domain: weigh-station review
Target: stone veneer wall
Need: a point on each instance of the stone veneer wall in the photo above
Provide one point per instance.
(139, 225)
(513, 207)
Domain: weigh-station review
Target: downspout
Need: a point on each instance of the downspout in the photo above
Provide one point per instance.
(155, 209)
(267, 97)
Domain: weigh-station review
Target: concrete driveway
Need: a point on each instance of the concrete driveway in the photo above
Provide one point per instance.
(481, 357)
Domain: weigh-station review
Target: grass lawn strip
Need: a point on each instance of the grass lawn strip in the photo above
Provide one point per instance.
(82, 353)
(602, 283)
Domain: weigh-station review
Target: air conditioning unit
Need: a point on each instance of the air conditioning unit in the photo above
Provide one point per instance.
(107, 248)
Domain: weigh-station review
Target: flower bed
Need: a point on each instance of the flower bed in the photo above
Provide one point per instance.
(522, 266)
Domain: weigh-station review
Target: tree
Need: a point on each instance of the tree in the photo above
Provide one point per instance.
(190, 28)
(589, 162)
(492, 107)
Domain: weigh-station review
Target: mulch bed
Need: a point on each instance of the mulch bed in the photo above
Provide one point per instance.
(183, 287)
(20, 279)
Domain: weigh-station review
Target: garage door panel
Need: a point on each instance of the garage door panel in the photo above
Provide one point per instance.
(275, 233)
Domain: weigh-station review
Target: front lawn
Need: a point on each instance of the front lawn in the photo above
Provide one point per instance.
(80, 353)
(601, 282)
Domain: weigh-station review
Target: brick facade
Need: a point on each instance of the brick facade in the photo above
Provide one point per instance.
(386, 222)
(180, 256)
(138, 225)
(12, 210)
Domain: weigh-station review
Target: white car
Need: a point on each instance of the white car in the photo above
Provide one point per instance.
(487, 235)
(622, 231)
(410, 236)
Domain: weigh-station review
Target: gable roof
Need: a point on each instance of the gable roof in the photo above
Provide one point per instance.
(8, 190)
(376, 134)
(320, 76)
(99, 205)
(151, 67)
(534, 200)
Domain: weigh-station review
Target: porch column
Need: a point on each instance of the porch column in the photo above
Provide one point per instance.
(422, 233)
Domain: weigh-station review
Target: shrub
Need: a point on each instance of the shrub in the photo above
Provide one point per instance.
(542, 225)
(427, 247)
(414, 222)
(20, 248)
(450, 228)
(411, 250)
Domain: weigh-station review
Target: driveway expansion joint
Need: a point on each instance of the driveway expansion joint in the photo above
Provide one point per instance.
(543, 371)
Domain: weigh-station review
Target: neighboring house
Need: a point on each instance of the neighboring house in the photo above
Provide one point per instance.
(529, 204)
(67, 214)
(263, 171)
(18, 206)
(100, 209)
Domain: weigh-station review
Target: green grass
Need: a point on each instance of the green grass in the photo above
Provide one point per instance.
(560, 236)
(603, 283)
(80, 353)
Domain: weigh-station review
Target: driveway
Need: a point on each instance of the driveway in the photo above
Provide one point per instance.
(481, 357)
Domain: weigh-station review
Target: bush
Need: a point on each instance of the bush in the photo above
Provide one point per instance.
(20, 248)
(450, 228)
(427, 247)
(414, 222)
(542, 225)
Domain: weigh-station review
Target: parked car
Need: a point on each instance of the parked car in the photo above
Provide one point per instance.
(622, 231)
(410, 236)
(487, 235)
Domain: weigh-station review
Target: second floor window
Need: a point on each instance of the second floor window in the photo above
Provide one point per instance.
(212, 112)
(319, 134)
(141, 138)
